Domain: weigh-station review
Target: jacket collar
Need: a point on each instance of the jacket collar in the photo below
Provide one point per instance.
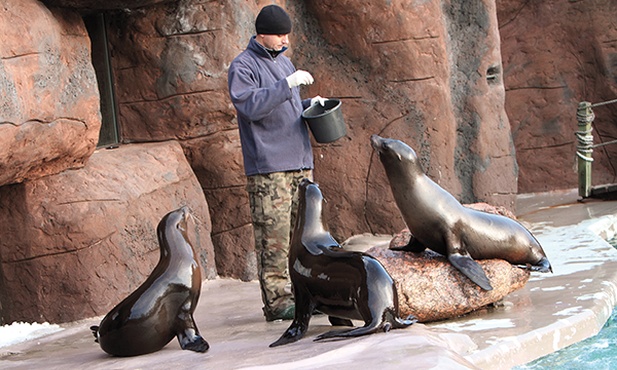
(261, 50)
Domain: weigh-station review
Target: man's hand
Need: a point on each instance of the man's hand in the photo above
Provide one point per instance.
(318, 99)
(298, 78)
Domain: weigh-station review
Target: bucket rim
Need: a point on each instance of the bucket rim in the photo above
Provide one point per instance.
(329, 111)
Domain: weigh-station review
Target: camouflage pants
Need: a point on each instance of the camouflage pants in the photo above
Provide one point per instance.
(274, 204)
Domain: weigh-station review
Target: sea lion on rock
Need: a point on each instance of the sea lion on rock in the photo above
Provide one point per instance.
(162, 307)
(439, 222)
(342, 284)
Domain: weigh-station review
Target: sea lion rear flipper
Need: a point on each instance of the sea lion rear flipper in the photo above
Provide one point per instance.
(542, 266)
(337, 321)
(470, 268)
(414, 246)
(95, 332)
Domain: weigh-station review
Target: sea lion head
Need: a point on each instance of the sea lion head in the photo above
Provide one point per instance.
(395, 154)
(311, 199)
(177, 219)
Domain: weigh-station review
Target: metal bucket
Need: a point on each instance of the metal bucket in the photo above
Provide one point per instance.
(326, 122)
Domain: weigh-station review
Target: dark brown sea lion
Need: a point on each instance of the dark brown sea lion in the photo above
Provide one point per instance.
(162, 307)
(343, 285)
(439, 222)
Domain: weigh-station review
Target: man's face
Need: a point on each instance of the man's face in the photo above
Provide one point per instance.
(274, 42)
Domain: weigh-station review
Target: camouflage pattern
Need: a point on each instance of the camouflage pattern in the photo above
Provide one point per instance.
(274, 204)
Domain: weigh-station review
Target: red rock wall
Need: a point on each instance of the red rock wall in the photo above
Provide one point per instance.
(409, 70)
(49, 101)
(556, 54)
(75, 244)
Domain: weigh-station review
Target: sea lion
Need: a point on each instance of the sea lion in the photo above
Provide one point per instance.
(439, 222)
(162, 307)
(342, 284)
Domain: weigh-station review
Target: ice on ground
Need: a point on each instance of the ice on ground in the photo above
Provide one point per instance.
(18, 332)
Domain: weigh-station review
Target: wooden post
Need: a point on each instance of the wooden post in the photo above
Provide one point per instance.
(584, 148)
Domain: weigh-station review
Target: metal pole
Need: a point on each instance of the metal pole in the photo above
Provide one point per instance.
(584, 148)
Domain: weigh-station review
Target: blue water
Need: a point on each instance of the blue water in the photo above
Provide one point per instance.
(598, 352)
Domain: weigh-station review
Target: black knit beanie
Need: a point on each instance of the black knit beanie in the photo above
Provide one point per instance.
(272, 20)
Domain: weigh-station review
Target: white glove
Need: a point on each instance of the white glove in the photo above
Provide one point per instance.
(318, 99)
(298, 78)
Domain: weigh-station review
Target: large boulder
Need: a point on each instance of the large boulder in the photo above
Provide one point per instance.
(431, 289)
(49, 106)
(76, 243)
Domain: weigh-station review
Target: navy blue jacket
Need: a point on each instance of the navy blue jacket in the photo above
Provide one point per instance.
(274, 138)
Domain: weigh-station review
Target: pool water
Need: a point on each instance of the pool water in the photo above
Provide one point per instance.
(598, 352)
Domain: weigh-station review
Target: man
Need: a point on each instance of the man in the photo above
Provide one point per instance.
(264, 88)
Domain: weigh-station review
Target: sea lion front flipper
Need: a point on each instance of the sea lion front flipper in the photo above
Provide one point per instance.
(302, 317)
(189, 337)
(337, 321)
(414, 246)
(470, 268)
(191, 340)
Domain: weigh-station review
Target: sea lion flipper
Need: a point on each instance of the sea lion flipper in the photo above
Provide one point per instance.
(294, 333)
(188, 335)
(470, 268)
(355, 332)
(95, 332)
(192, 341)
(414, 246)
(337, 321)
(302, 317)
(542, 266)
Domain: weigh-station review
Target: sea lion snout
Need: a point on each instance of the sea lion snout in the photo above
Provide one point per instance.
(376, 142)
(313, 193)
(393, 150)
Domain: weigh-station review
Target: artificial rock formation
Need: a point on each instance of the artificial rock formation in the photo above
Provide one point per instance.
(555, 55)
(74, 244)
(431, 289)
(49, 100)
(421, 72)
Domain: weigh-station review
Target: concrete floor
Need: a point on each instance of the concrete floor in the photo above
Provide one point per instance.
(551, 312)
